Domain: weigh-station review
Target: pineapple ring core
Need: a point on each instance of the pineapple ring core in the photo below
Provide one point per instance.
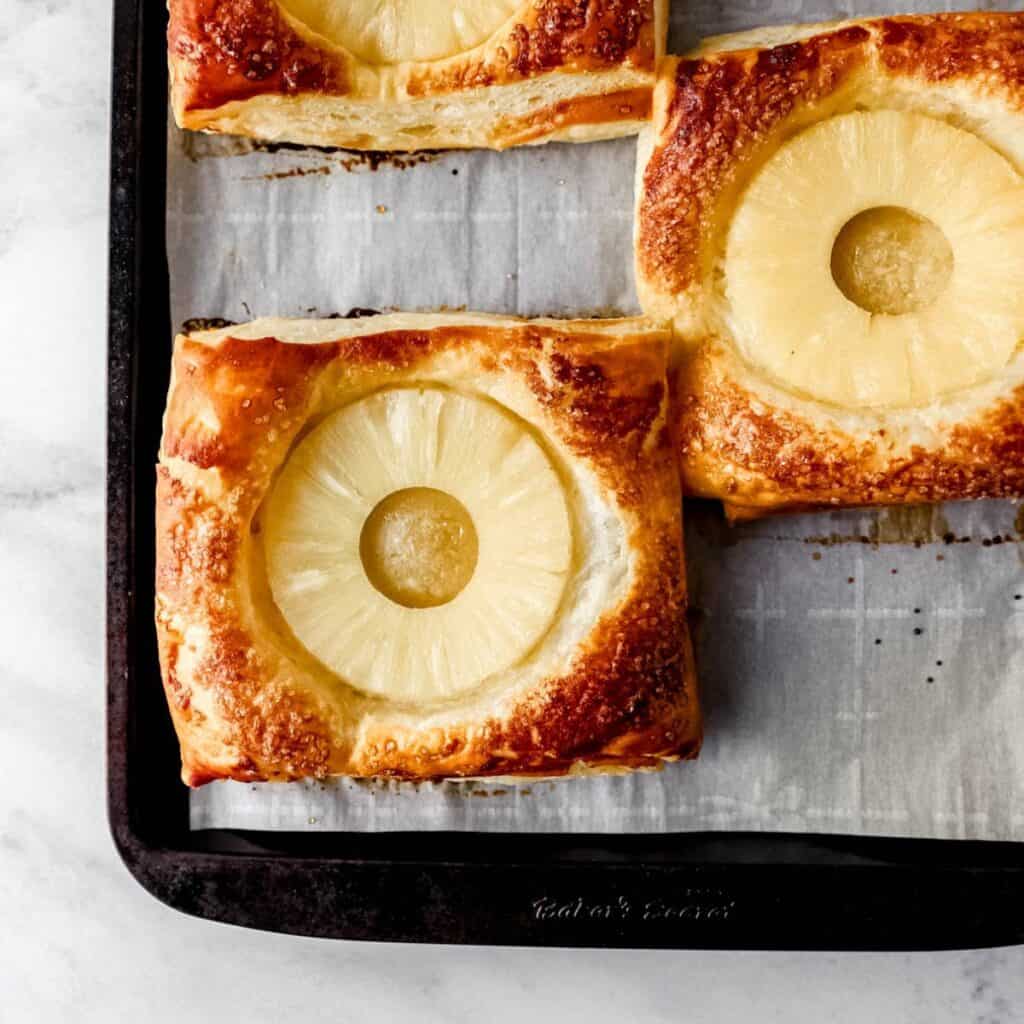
(876, 259)
(417, 541)
(891, 260)
(419, 547)
(382, 32)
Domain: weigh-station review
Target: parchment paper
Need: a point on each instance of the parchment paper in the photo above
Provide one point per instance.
(861, 672)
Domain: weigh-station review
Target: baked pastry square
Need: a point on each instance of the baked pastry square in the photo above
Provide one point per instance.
(422, 546)
(415, 74)
(833, 217)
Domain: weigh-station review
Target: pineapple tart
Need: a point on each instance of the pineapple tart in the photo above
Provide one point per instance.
(422, 546)
(833, 218)
(415, 74)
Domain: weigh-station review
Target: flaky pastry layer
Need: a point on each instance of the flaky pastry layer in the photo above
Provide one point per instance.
(719, 115)
(572, 70)
(610, 685)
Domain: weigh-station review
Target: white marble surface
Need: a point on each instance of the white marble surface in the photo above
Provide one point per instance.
(79, 940)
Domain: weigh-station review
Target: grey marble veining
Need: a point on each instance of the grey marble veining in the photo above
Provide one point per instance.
(79, 940)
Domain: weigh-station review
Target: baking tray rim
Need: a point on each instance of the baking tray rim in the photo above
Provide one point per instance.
(695, 890)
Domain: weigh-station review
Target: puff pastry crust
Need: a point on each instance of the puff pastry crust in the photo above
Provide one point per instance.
(609, 686)
(719, 115)
(572, 70)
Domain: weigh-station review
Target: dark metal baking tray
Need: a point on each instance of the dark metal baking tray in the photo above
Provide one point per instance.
(731, 890)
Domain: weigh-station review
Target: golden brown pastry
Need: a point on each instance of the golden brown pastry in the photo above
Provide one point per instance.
(415, 74)
(833, 217)
(422, 546)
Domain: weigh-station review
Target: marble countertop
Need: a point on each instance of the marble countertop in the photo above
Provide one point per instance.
(80, 941)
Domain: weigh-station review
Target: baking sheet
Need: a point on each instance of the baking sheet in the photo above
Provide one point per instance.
(862, 672)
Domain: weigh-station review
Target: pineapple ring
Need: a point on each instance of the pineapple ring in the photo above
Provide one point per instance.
(788, 314)
(316, 516)
(384, 32)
